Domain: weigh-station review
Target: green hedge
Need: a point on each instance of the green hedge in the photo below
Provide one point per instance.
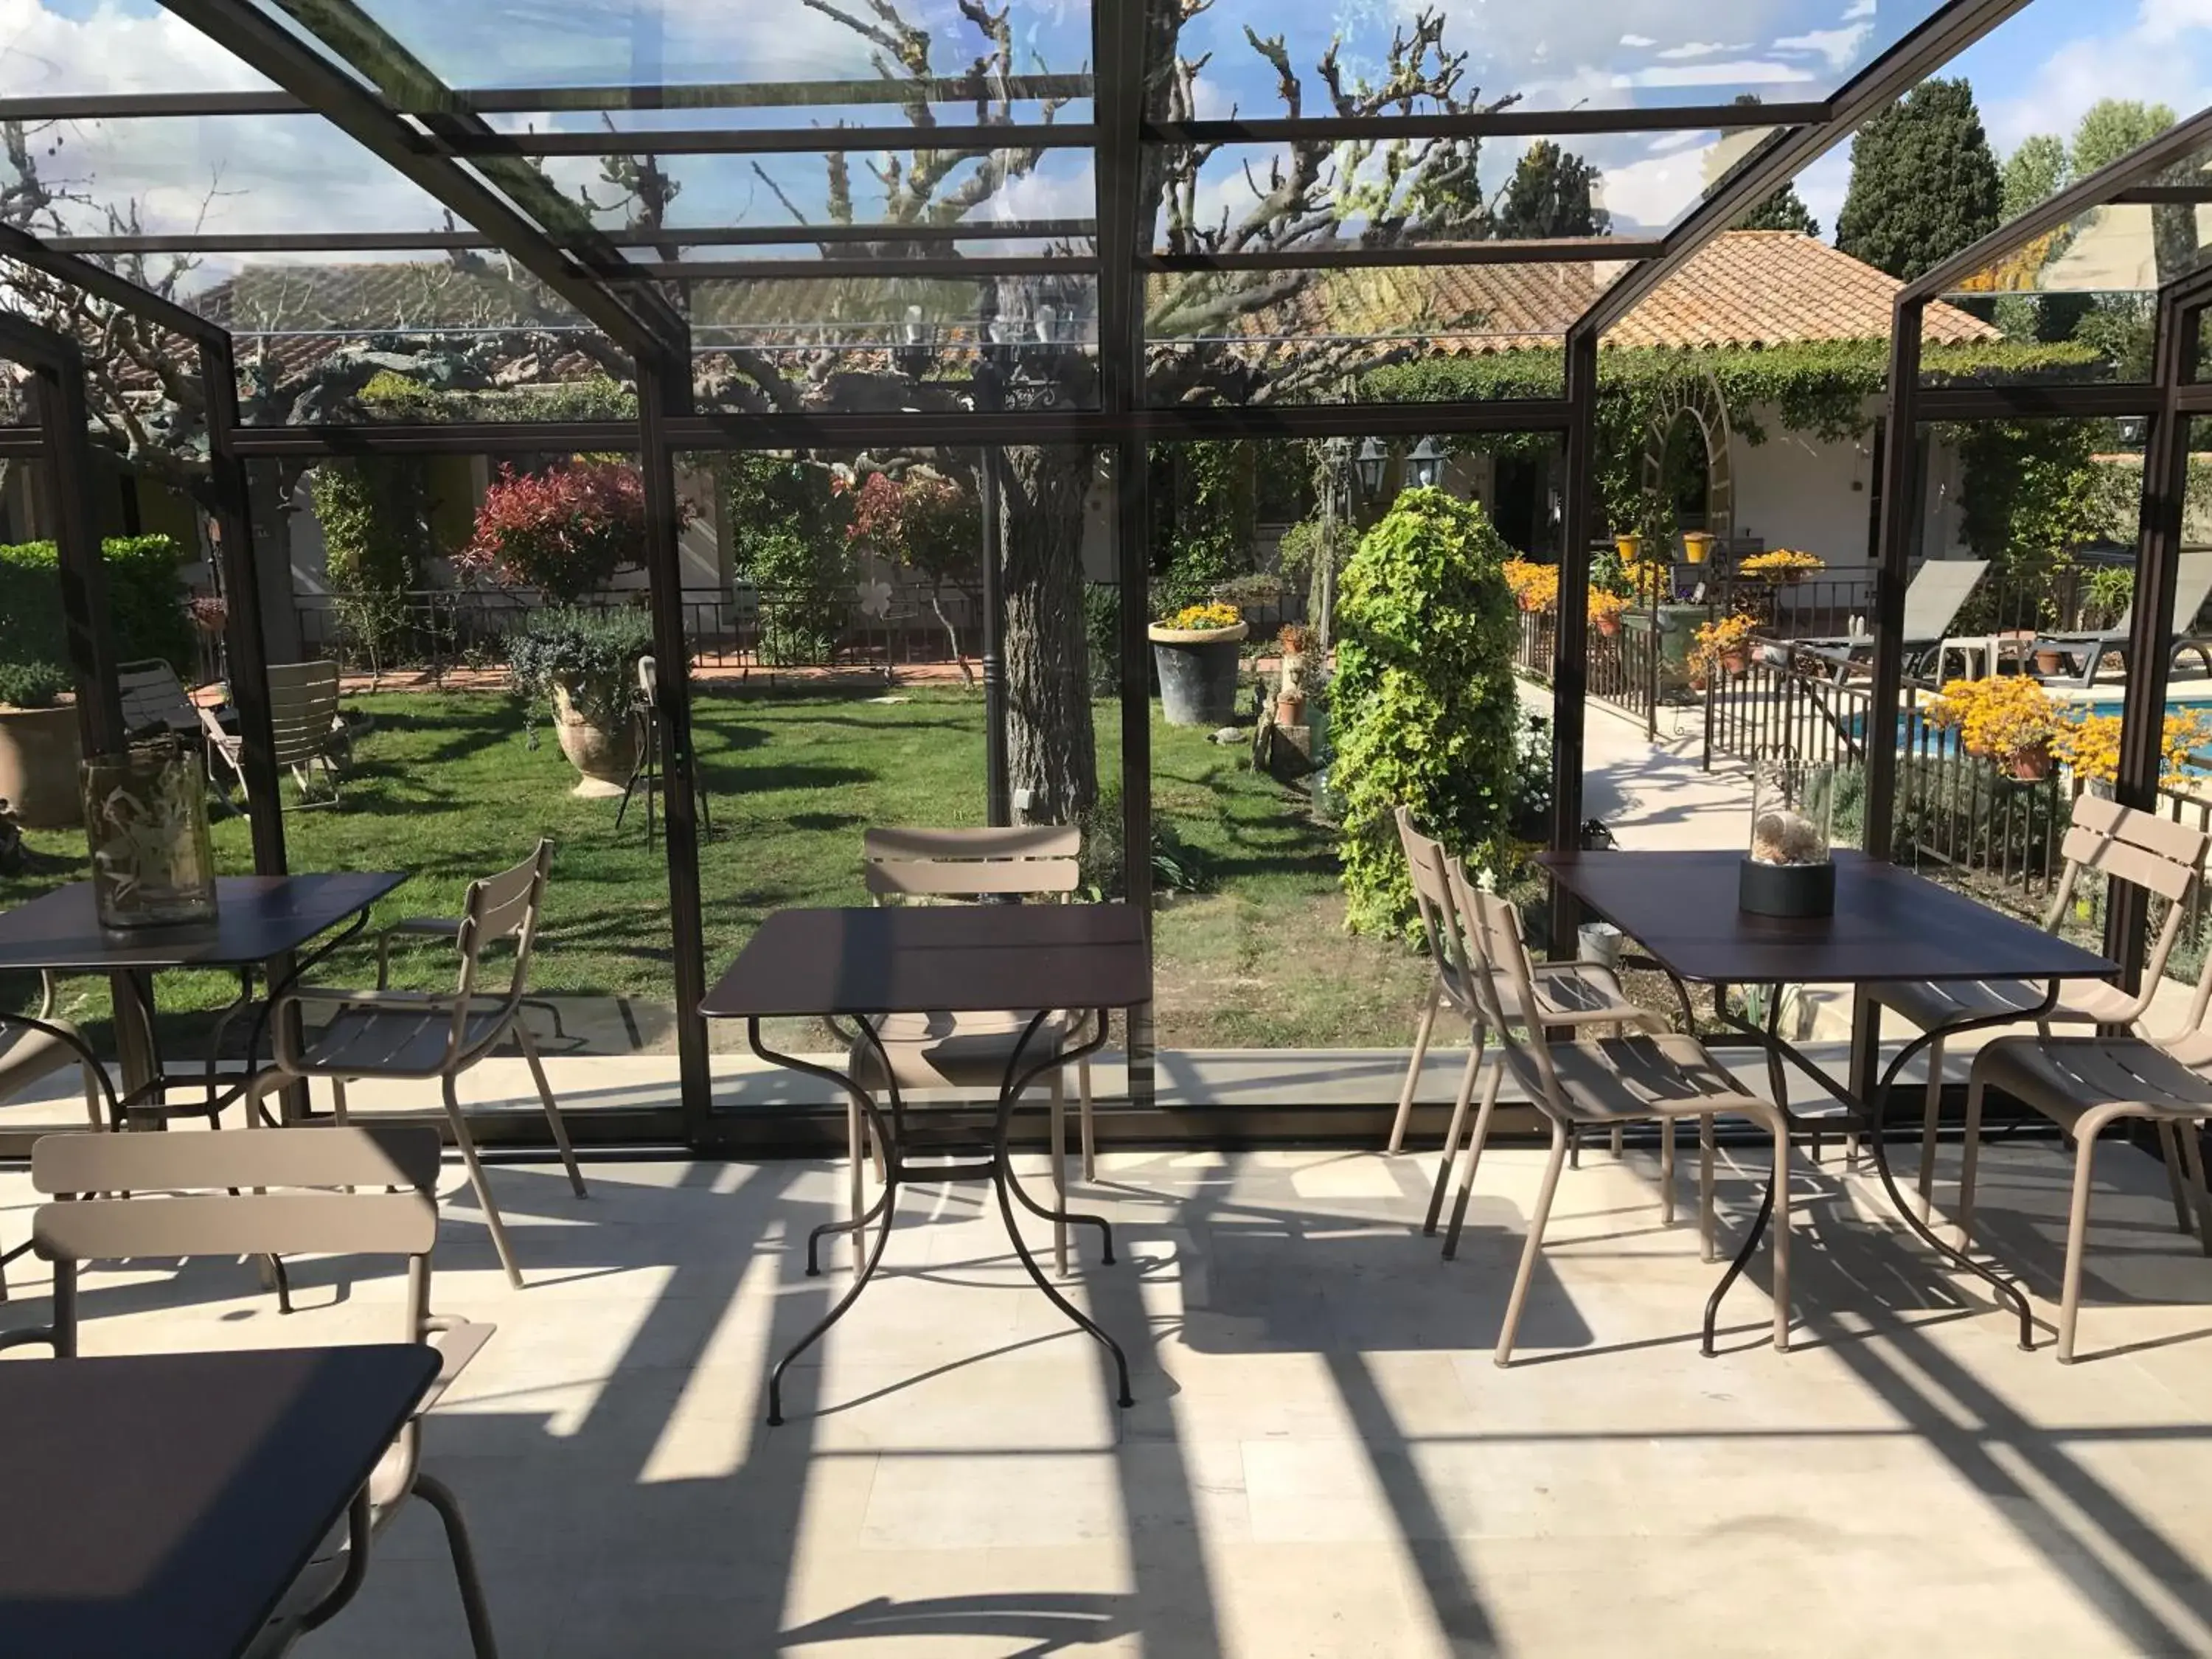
(145, 603)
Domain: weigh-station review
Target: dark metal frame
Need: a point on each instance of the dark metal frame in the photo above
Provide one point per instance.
(435, 135)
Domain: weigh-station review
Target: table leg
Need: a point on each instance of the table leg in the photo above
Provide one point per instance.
(1002, 1176)
(1779, 1085)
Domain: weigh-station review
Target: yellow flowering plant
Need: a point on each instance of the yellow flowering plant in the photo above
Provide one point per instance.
(2090, 744)
(1604, 609)
(1214, 613)
(2006, 717)
(1781, 565)
(1535, 587)
(1724, 637)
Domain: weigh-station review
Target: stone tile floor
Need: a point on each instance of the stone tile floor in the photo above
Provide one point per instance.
(1321, 1461)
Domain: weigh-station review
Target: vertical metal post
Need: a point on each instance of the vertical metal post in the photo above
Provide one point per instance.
(1570, 641)
(998, 795)
(2152, 626)
(245, 642)
(659, 394)
(64, 424)
(1900, 512)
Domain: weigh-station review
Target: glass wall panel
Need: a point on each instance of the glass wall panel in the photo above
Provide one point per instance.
(422, 577)
(837, 684)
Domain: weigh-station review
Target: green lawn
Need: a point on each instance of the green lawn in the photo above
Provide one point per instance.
(447, 787)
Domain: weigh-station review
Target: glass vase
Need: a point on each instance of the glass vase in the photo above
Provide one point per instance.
(145, 815)
(1788, 869)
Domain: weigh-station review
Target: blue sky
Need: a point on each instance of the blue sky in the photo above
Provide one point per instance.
(2037, 73)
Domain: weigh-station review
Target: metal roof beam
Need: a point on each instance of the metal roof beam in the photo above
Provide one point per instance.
(377, 241)
(1939, 38)
(284, 57)
(779, 141)
(110, 287)
(1480, 124)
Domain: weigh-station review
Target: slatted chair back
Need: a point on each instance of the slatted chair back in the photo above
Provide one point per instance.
(1018, 861)
(154, 700)
(303, 706)
(506, 906)
(1492, 927)
(2125, 844)
(1428, 865)
(223, 1204)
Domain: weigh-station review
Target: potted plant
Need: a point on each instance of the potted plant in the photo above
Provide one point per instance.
(584, 663)
(1783, 568)
(2009, 720)
(1696, 546)
(38, 746)
(1724, 644)
(1299, 644)
(1195, 652)
(1535, 587)
(1606, 610)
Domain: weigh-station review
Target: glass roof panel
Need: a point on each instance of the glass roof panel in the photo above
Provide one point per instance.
(1513, 188)
(1216, 337)
(68, 48)
(1605, 54)
(771, 48)
(226, 174)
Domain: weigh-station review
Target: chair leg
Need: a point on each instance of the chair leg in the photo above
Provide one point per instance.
(1777, 1239)
(1970, 1156)
(2077, 1229)
(1450, 1153)
(467, 1143)
(1708, 1248)
(1929, 1114)
(92, 1096)
(2169, 1148)
(856, 1153)
(1084, 1125)
(1413, 1070)
(439, 1497)
(1057, 1134)
(1666, 1172)
(1473, 1159)
(337, 1103)
(2192, 1162)
(529, 1045)
(1534, 1247)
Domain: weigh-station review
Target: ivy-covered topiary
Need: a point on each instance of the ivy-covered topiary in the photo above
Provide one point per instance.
(1423, 701)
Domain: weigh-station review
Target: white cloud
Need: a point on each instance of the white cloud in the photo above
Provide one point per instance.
(115, 48)
(1740, 72)
(1655, 190)
(1698, 49)
(1638, 41)
(1857, 9)
(1841, 47)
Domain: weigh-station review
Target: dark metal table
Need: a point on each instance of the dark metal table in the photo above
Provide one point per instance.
(953, 959)
(258, 920)
(1889, 924)
(165, 1504)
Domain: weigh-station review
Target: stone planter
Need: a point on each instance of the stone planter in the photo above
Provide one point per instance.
(603, 753)
(39, 756)
(1198, 673)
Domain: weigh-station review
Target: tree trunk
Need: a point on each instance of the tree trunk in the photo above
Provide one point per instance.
(1051, 751)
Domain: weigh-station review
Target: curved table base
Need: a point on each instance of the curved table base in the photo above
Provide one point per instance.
(997, 1169)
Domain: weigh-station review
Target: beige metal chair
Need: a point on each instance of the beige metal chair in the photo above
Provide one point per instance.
(410, 1034)
(222, 1207)
(1647, 1077)
(28, 1054)
(970, 1050)
(2119, 842)
(303, 715)
(2084, 1084)
(154, 700)
(1573, 995)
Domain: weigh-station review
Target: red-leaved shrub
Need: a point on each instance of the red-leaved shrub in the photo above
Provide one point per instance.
(565, 532)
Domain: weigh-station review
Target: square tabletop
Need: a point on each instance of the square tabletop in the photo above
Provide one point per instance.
(257, 917)
(164, 1502)
(1889, 924)
(952, 958)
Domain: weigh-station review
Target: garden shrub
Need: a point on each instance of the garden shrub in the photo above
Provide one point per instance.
(374, 515)
(1425, 711)
(1102, 628)
(32, 685)
(145, 603)
(564, 532)
(807, 594)
(593, 653)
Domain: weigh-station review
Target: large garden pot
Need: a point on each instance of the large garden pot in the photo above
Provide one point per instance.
(1677, 627)
(602, 746)
(1198, 673)
(39, 756)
